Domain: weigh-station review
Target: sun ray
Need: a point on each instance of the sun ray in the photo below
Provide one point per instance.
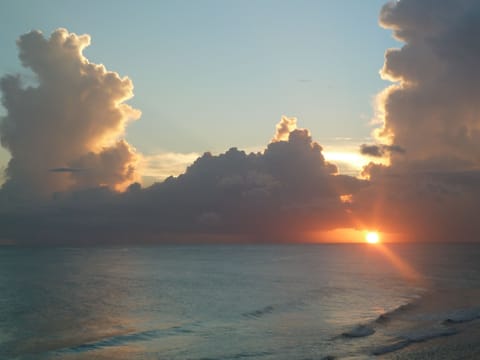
(401, 265)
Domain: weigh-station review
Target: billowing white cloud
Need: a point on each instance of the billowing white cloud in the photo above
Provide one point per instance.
(73, 117)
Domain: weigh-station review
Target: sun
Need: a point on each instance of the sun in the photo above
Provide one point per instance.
(372, 237)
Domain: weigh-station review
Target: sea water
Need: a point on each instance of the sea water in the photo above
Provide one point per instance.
(232, 301)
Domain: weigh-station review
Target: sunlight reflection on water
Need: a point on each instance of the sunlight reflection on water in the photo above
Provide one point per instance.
(268, 302)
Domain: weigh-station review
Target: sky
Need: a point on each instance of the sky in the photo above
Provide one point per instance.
(281, 121)
(206, 73)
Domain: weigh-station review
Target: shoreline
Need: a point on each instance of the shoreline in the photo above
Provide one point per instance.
(463, 345)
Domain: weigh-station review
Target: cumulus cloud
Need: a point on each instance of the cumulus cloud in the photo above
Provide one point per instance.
(64, 135)
(433, 112)
(73, 117)
(277, 194)
(284, 128)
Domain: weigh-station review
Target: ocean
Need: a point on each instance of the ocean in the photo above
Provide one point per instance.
(339, 301)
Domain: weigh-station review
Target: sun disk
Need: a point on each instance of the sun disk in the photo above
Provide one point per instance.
(372, 237)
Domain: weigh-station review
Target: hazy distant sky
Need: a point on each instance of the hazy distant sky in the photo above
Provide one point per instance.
(209, 75)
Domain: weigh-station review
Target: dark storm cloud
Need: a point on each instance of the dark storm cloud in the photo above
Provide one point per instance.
(275, 195)
(422, 205)
(65, 170)
(433, 111)
(430, 192)
(380, 150)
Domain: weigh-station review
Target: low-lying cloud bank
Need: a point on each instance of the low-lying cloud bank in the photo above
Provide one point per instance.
(276, 195)
(69, 159)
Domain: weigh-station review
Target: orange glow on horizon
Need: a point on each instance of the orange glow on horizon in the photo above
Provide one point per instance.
(351, 235)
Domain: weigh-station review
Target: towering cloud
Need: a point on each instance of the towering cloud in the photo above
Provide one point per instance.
(432, 112)
(72, 118)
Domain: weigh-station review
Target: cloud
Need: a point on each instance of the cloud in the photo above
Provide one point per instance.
(278, 194)
(73, 117)
(380, 150)
(284, 128)
(65, 170)
(432, 111)
(421, 206)
(113, 166)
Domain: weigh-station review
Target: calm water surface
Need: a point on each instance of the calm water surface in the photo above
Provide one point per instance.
(221, 302)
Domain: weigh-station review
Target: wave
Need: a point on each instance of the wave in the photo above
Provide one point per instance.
(123, 339)
(463, 315)
(241, 355)
(409, 312)
(441, 329)
(388, 315)
(285, 307)
(427, 334)
(294, 304)
(363, 330)
(359, 331)
(260, 312)
(414, 337)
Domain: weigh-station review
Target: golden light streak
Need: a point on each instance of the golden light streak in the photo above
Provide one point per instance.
(402, 266)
